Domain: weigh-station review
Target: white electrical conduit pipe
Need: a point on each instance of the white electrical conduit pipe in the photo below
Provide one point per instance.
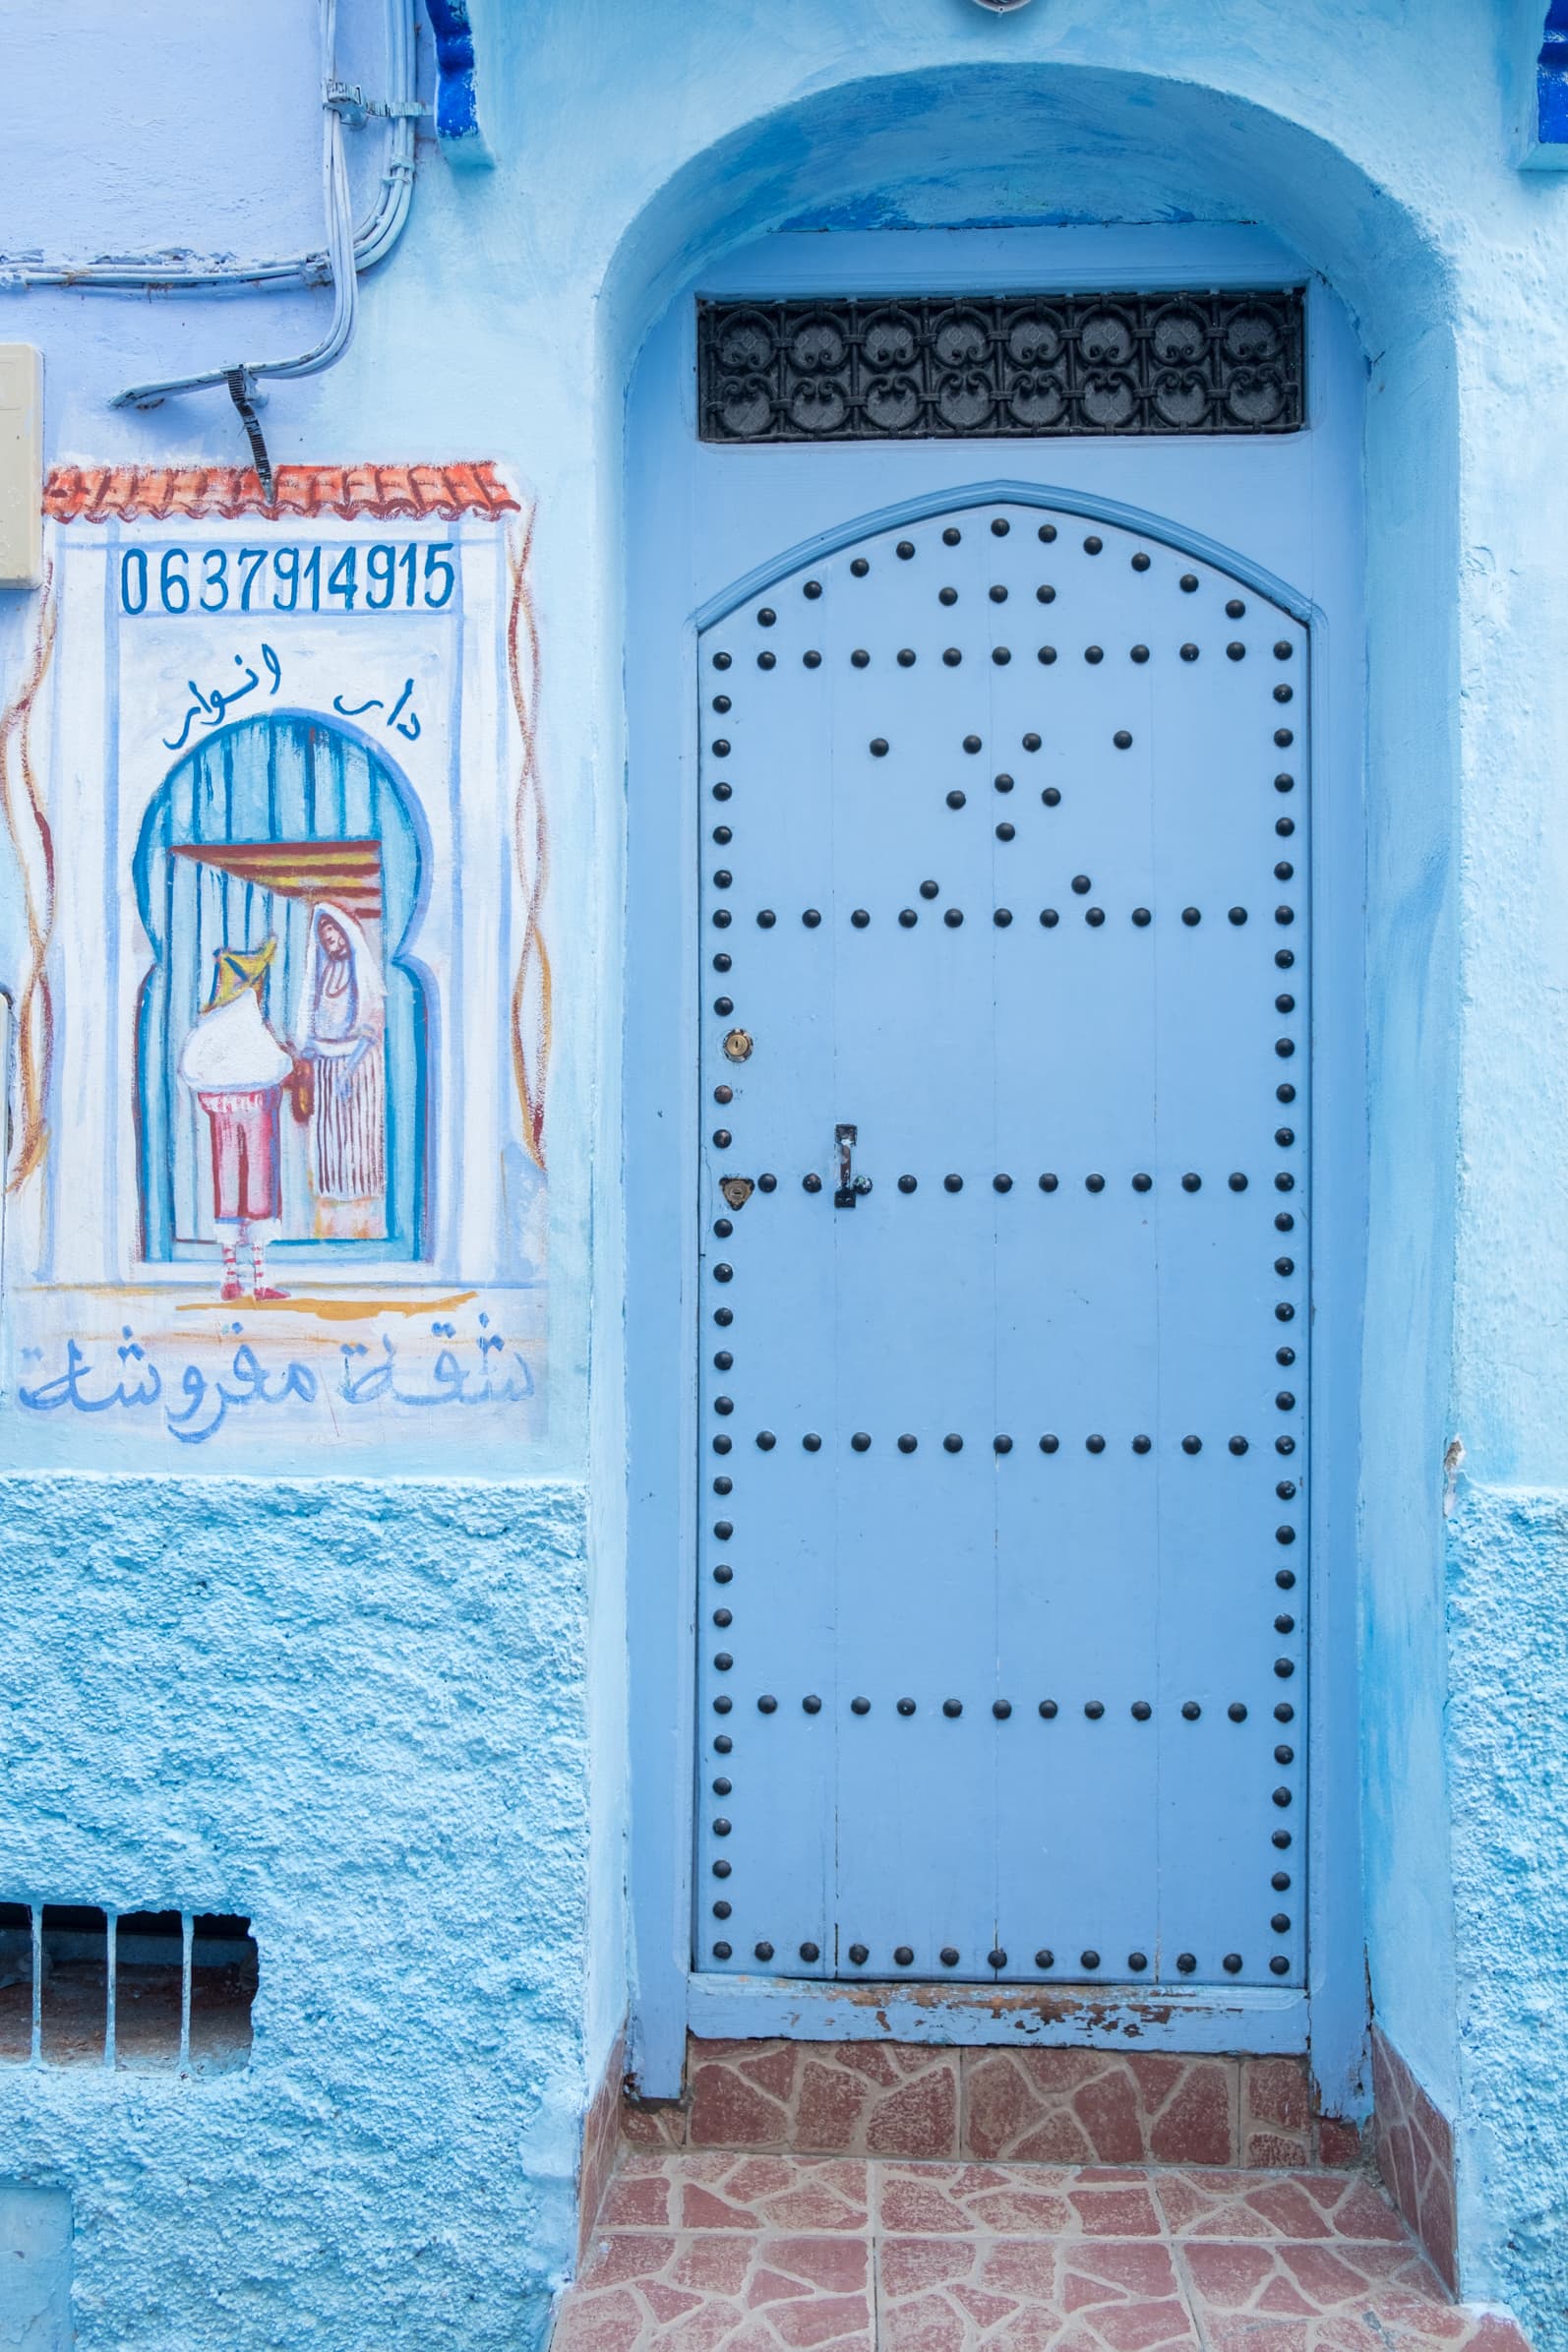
(240, 379)
(373, 240)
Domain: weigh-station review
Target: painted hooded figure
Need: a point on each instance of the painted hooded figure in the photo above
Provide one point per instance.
(236, 1068)
(338, 1030)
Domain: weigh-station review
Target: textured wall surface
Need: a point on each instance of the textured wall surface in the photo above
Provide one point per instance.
(1508, 1635)
(354, 1712)
(368, 1730)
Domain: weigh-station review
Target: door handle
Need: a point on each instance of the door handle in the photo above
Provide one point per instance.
(850, 1185)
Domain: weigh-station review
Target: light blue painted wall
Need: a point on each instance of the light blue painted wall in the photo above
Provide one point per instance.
(632, 144)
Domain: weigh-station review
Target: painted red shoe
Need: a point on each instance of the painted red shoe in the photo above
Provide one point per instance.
(264, 1293)
(232, 1287)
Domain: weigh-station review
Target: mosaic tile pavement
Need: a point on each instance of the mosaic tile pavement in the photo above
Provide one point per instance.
(706, 2250)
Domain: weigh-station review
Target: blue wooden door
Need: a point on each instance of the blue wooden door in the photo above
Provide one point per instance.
(1004, 1268)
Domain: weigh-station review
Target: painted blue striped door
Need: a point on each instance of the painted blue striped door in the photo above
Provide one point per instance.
(1001, 1606)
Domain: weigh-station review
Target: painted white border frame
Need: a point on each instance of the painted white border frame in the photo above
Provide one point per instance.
(666, 607)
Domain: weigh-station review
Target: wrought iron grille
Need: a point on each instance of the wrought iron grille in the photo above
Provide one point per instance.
(1008, 366)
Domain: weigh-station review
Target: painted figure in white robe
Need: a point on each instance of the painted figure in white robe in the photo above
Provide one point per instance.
(236, 1068)
(339, 1040)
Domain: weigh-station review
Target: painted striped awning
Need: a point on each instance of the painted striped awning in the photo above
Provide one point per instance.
(159, 493)
(347, 873)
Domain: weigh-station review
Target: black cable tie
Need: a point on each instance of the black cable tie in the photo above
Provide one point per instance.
(239, 391)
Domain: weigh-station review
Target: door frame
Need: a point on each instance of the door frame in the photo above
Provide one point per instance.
(665, 613)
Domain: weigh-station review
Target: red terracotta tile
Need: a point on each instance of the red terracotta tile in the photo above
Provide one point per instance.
(1338, 2141)
(1115, 2212)
(919, 2118)
(1002, 2199)
(653, 2123)
(835, 2320)
(608, 2323)
(728, 2112)
(1147, 2328)
(1194, 2126)
(634, 2202)
(1276, 2091)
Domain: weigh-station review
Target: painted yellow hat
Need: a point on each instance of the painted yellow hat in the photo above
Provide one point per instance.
(236, 969)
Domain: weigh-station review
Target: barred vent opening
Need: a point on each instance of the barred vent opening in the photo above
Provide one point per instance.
(166, 1991)
(1006, 367)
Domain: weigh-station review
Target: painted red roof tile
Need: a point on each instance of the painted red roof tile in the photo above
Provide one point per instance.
(131, 493)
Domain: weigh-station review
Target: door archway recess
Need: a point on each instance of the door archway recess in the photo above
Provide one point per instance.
(238, 846)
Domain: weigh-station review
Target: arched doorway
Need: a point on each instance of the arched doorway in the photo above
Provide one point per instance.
(865, 821)
(250, 837)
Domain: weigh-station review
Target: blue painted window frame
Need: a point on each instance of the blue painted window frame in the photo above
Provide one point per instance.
(671, 481)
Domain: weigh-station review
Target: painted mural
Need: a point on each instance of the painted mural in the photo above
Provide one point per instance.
(277, 971)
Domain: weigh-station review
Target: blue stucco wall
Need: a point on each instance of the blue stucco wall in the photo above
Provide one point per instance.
(474, 1638)
(354, 1712)
(1508, 1638)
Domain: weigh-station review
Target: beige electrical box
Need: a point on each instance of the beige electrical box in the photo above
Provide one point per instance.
(21, 466)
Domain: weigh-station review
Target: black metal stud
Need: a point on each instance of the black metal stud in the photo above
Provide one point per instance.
(1141, 1445)
(859, 918)
(1046, 532)
(1095, 1444)
(1094, 653)
(860, 567)
(859, 1706)
(951, 535)
(1141, 1711)
(1141, 917)
(952, 1443)
(1186, 1962)
(721, 661)
(721, 1951)
(1001, 1445)
(906, 1706)
(1048, 1709)
(906, 657)
(1236, 651)
(1050, 1443)
(1045, 1959)
(955, 799)
(1191, 1181)
(1089, 1959)
(1190, 580)
(813, 660)
(1094, 1183)
(1002, 1709)
(1280, 1965)
(1232, 1964)
(1048, 1182)
(812, 1442)
(1122, 740)
(858, 1955)
(768, 1704)
(810, 1184)
(907, 1184)
(1141, 653)
(1190, 1710)
(1001, 1184)
(904, 1956)
(810, 1953)
(952, 1708)
(1006, 833)
(1002, 916)
(907, 1443)
(952, 657)
(861, 658)
(1137, 1961)
(878, 747)
(948, 1956)
(861, 1441)
(953, 917)
(1049, 918)
(1094, 1709)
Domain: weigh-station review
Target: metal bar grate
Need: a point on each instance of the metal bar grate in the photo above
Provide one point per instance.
(1003, 366)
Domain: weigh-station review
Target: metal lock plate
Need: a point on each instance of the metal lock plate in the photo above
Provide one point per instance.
(738, 1045)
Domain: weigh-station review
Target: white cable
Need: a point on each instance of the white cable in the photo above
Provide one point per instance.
(341, 256)
(373, 240)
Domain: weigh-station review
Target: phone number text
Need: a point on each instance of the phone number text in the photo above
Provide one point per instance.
(384, 578)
